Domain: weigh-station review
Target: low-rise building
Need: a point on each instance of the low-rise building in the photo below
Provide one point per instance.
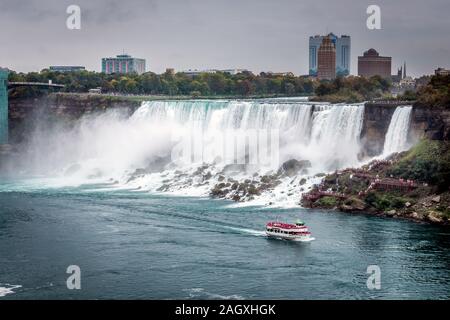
(195, 72)
(442, 72)
(372, 64)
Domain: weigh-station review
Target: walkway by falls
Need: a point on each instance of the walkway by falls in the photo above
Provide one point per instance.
(397, 135)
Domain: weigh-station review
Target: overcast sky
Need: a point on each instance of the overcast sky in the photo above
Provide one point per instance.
(259, 35)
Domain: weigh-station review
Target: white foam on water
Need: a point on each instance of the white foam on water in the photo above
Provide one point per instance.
(196, 293)
(6, 289)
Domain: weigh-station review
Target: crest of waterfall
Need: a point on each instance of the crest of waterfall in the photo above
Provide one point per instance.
(396, 139)
(327, 135)
(218, 118)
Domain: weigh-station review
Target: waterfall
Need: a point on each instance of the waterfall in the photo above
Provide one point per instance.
(327, 136)
(137, 151)
(396, 139)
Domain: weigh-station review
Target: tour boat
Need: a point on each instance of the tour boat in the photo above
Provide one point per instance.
(286, 231)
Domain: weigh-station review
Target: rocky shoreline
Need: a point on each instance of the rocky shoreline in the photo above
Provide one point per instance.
(390, 188)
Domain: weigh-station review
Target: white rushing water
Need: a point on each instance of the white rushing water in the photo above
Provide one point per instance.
(110, 147)
(328, 137)
(396, 139)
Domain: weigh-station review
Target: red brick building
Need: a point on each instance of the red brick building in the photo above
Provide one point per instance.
(372, 64)
(326, 60)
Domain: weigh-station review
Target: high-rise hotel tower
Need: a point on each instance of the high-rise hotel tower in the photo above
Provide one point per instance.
(326, 60)
(343, 48)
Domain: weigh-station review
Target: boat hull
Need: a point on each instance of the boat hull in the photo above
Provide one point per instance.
(299, 238)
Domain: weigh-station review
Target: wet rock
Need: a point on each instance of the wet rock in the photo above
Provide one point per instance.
(252, 190)
(436, 199)
(302, 181)
(221, 185)
(207, 176)
(346, 208)
(218, 192)
(236, 197)
(435, 217)
(242, 187)
(415, 215)
(320, 175)
(291, 167)
(391, 213)
(163, 188)
(221, 178)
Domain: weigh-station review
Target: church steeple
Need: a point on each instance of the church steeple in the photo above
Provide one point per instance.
(404, 70)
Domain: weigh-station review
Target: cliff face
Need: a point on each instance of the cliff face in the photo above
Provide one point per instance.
(426, 122)
(375, 126)
(24, 111)
(431, 123)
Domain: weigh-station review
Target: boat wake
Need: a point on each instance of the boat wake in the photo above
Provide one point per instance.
(256, 233)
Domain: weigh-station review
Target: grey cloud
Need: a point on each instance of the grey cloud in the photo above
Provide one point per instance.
(259, 35)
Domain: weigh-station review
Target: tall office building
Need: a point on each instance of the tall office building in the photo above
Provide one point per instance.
(343, 48)
(372, 64)
(123, 64)
(3, 106)
(326, 60)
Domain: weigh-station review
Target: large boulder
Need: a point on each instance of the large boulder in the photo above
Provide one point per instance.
(292, 167)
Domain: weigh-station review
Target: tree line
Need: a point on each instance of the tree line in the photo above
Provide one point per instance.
(244, 84)
(204, 84)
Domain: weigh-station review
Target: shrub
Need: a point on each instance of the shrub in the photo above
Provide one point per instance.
(327, 202)
(428, 161)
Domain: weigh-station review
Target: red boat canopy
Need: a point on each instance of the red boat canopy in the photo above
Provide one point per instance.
(283, 225)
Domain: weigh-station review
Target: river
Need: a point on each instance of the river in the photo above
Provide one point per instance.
(132, 245)
(102, 194)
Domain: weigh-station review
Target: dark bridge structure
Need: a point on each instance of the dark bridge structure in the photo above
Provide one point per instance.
(46, 85)
(5, 88)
